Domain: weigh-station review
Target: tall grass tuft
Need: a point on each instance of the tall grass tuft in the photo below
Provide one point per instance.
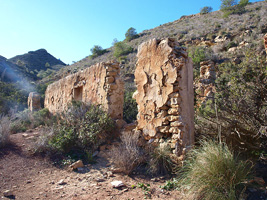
(212, 172)
(4, 130)
(160, 160)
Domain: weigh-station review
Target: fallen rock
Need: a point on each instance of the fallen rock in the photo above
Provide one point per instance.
(117, 184)
(62, 182)
(78, 164)
(95, 153)
(120, 123)
(30, 138)
(25, 135)
(8, 193)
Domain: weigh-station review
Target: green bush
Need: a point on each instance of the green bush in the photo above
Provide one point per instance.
(129, 107)
(205, 10)
(213, 172)
(231, 7)
(41, 117)
(97, 51)
(121, 49)
(230, 45)
(83, 127)
(227, 4)
(25, 120)
(240, 97)
(21, 122)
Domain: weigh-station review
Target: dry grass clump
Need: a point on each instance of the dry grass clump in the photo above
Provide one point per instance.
(213, 172)
(4, 130)
(128, 154)
(161, 161)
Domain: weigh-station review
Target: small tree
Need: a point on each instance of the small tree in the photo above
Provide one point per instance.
(227, 4)
(131, 34)
(115, 40)
(97, 51)
(120, 49)
(243, 3)
(205, 10)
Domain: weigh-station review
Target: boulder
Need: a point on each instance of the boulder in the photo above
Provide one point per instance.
(77, 164)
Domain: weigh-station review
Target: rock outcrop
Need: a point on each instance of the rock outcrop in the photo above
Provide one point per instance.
(165, 97)
(99, 84)
(34, 102)
(206, 85)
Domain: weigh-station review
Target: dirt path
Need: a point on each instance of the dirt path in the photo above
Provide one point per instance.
(30, 177)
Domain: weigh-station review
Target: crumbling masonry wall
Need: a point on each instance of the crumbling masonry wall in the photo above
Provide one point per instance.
(206, 85)
(165, 97)
(34, 102)
(99, 84)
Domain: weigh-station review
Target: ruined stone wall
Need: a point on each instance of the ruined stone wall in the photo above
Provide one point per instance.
(34, 103)
(165, 97)
(206, 85)
(99, 84)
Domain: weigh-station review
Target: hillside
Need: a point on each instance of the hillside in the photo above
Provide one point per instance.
(36, 60)
(212, 32)
(20, 75)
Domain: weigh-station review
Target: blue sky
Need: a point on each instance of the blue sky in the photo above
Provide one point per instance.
(68, 29)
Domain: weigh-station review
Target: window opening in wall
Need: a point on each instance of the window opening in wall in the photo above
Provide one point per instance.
(78, 93)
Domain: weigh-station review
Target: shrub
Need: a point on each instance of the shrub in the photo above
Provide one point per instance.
(128, 154)
(129, 107)
(41, 117)
(120, 49)
(227, 4)
(231, 7)
(243, 3)
(82, 127)
(20, 122)
(213, 172)
(231, 44)
(240, 97)
(205, 10)
(4, 130)
(25, 120)
(97, 51)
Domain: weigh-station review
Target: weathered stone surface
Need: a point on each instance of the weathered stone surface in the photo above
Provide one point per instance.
(34, 103)
(96, 84)
(164, 80)
(206, 85)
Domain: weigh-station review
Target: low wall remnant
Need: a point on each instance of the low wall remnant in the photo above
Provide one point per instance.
(99, 84)
(206, 85)
(34, 102)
